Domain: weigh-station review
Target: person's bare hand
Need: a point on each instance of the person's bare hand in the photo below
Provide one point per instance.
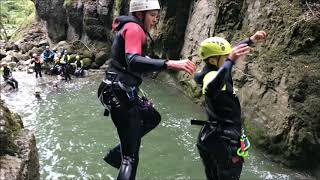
(182, 65)
(239, 51)
(258, 36)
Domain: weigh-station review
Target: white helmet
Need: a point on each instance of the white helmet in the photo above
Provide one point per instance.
(34, 55)
(143, 5)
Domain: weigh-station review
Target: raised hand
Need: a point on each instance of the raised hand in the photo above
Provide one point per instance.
(182, 65)
(258, 36)
(239, 51)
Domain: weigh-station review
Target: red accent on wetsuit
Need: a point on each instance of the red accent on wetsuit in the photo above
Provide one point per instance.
(134, 37)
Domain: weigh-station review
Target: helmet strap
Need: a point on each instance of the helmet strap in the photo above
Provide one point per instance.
(213, 62)
(218, 61)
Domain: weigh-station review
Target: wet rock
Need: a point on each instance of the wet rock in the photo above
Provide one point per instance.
(43, 43)
(2, 54)
(94, 65)
(12, 64)
(101, 58)
(87, 63)
(11, 46)
(18, 152)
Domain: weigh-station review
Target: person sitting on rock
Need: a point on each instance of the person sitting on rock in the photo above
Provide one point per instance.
(37, 64)
(47, 55)
(7, 76)
(56, 69)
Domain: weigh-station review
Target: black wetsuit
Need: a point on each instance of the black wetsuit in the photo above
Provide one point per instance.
(79, 70)
(37, 66)
(219, 138)
(7, 76)
(65, 67)
(132, 115)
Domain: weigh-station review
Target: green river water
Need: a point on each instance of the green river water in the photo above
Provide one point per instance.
(73, 135)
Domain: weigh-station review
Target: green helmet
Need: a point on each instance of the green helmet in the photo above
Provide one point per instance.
(214, 46)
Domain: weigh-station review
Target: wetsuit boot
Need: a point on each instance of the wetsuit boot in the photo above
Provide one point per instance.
(128, 168)
(113, 157)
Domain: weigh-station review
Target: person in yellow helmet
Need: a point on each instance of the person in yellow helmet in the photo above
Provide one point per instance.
(133, 115)
(219, 138)
(79, 72)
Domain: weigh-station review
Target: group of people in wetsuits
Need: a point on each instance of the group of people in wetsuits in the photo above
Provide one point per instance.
(57, 63)
(220, 142)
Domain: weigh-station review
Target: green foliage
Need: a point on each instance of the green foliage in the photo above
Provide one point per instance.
(13, 13)
(67, 3)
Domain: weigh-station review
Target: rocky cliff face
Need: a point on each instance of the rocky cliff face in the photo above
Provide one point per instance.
(18, 152)
(75, 19)
(278, 83)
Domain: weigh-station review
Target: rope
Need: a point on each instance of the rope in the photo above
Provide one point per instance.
(83, 44)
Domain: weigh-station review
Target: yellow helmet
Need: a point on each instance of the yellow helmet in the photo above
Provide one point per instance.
(143, 5)
(214, 46)
(77, 57)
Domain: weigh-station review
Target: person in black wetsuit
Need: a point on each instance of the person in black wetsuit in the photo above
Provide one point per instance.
(132, 115)
(219, 138)
(79, 72)
(65, 65)
(37, 65)
(7, 76)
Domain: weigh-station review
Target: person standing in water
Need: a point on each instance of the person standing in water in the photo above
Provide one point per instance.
(221, 142)
(132, 115)
(37, 65)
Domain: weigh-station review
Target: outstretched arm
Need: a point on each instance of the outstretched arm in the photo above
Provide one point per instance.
(257, 37)
(217, 82)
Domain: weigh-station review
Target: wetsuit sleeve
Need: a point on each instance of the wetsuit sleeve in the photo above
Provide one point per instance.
(135, 37)
(246, 41)
(217, 83)
(139, 63)
(198, 77)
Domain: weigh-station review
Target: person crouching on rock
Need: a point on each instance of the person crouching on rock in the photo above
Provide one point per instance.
(7, 76)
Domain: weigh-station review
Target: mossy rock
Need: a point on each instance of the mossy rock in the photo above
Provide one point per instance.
(101, 58)
(87, 63)
(72, 58)
(87, 54)
(12, 126)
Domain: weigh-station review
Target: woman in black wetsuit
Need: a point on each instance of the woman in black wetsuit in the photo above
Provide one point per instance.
(132, 115)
